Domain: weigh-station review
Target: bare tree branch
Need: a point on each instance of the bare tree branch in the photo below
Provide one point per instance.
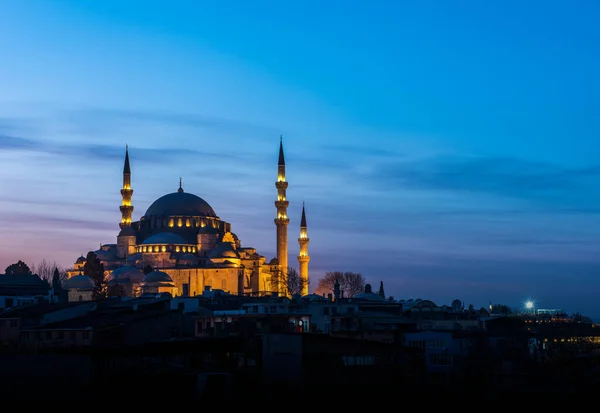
(351, 283)
(45, 269)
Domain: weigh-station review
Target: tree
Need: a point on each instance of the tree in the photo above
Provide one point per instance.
(116, 290)
(351, 283)
(94, 269)
(381, 291)
(147, 269)
(578, 317)
(45, 270)
(293, 282)
(500, 309)
(57, 286)
(18, 268)
(289, 282)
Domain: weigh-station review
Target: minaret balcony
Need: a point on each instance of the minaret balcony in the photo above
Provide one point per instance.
(282, 204)
(303, 258)
(281, 185)
(282, 221)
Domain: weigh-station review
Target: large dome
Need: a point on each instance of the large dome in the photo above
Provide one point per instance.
(180, 204)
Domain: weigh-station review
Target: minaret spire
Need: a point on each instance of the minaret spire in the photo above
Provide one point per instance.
(282, 220)
(303, 257)
(281, 157)
(126, 168)
(126, 193)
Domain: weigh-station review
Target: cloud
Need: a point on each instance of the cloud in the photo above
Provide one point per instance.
(503, 177)
(28, 199)
(123, 117)
(160, 137)
(57, 223)
(360, 151)
(15, 143)
(94, 151)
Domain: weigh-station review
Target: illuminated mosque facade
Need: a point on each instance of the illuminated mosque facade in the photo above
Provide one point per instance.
(186, 248)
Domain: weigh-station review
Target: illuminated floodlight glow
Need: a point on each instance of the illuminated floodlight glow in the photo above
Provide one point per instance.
(529, 304)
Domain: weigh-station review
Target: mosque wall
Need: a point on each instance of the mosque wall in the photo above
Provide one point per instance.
(192, 281)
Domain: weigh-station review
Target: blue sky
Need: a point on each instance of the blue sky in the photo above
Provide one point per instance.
(449, 149)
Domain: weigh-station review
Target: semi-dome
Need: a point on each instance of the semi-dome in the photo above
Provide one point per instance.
(157, 276)
(180, 204)
(165, 238)
(79, 282)
(223, 250)
(127, 273)
(104, 255)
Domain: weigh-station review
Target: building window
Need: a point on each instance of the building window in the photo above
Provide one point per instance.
(437, 343)
(441, 359)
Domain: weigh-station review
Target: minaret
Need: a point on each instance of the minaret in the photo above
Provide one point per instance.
(303, 257)
(282, 219)
(126, 193)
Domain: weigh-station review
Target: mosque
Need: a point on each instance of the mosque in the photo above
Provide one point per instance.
(181, 246)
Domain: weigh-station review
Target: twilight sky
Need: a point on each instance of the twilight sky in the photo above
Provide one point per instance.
(449, 149)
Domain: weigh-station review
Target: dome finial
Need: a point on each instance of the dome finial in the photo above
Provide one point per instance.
(180, 188)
